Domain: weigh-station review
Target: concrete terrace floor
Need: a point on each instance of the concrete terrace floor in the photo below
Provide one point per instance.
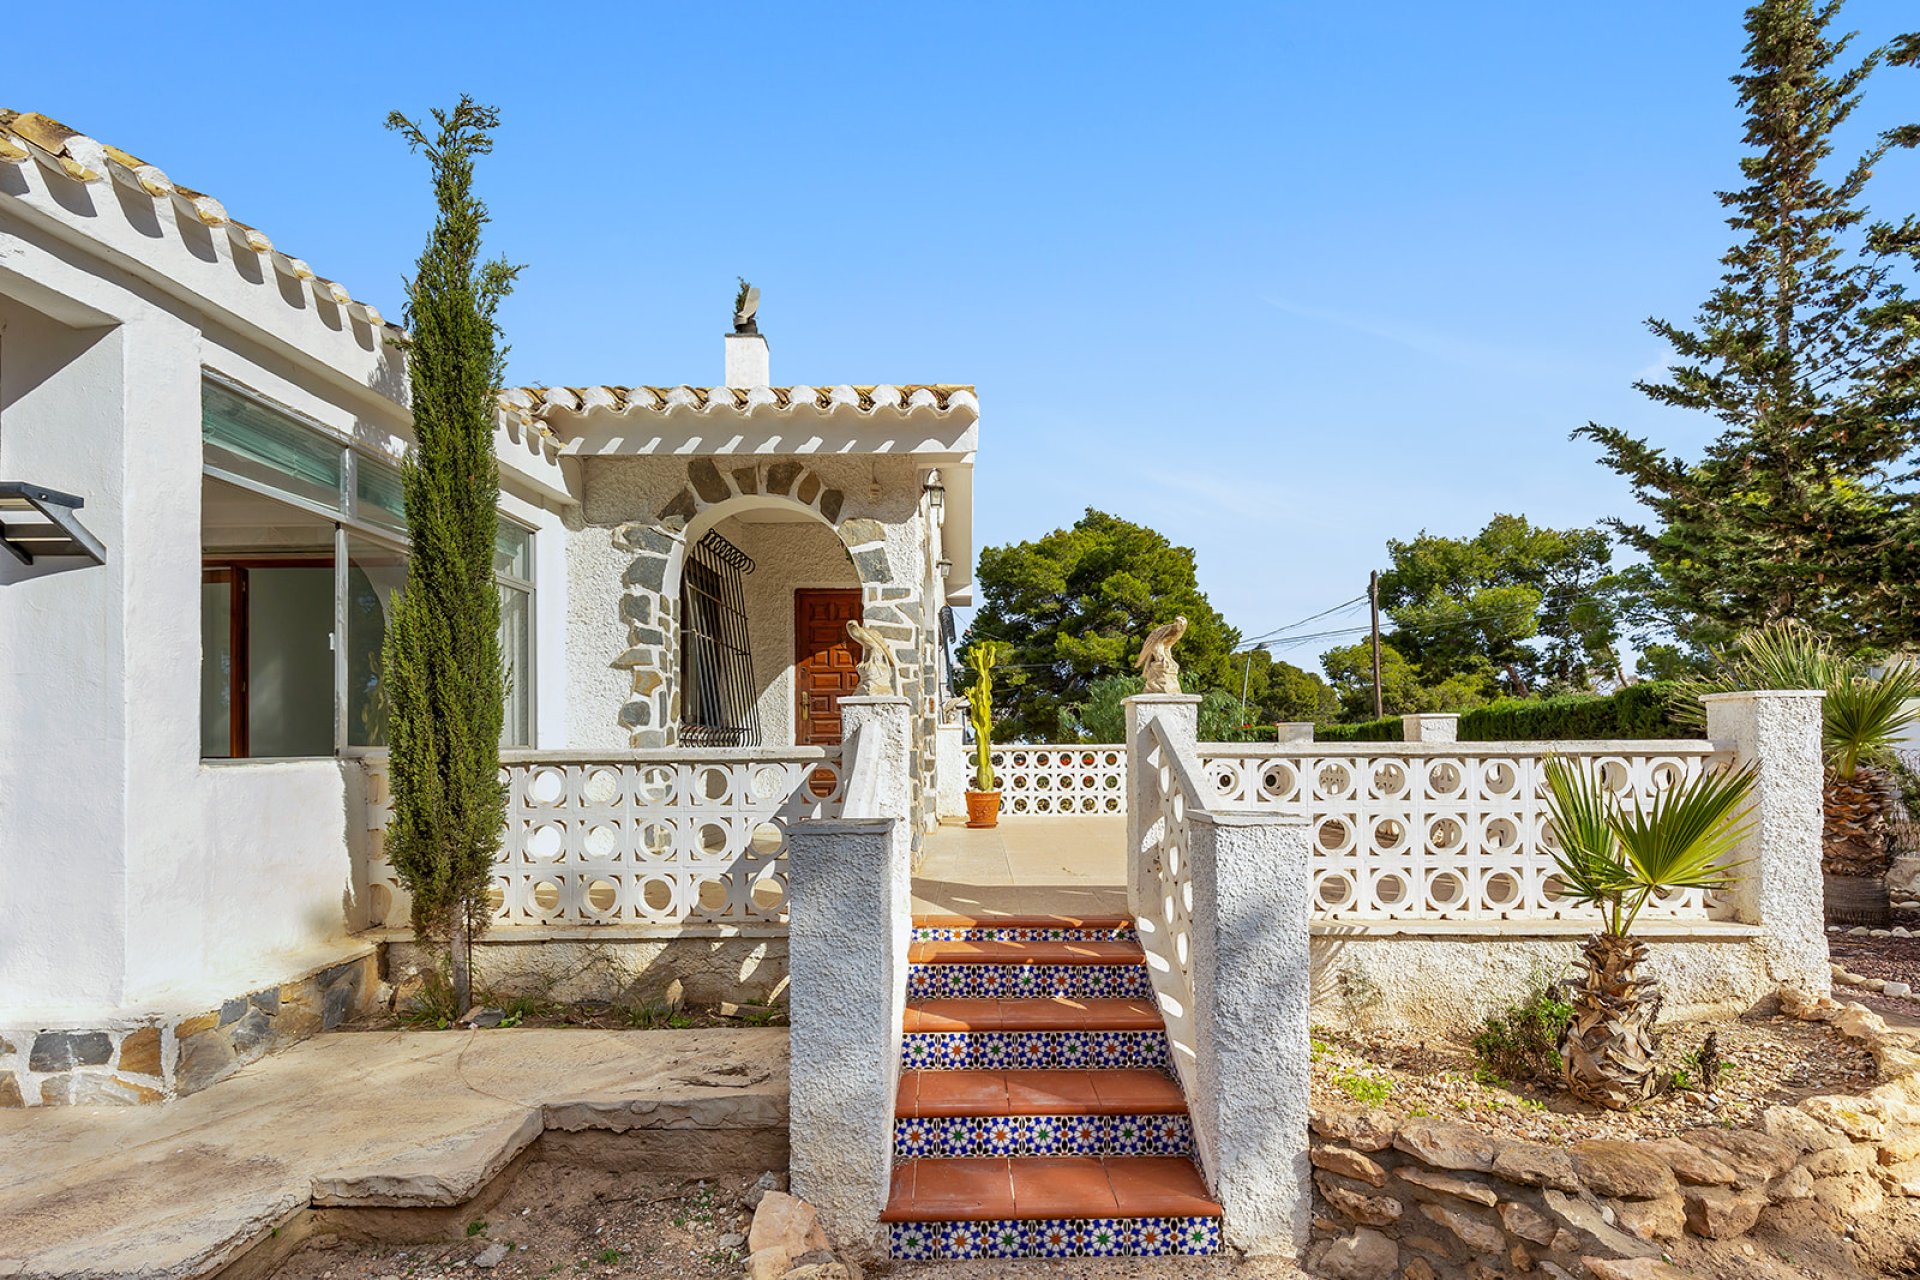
(414, 1119)
(1025, 866)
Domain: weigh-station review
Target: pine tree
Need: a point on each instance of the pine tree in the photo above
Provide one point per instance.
(444, 671)
(1809, 355)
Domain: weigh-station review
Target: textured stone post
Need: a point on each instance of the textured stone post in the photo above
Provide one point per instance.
(1179, 714)
(1430, 727)
(1251, 981)
(849, 903)
(1294, 731)
(1779, 885)
(950, 773)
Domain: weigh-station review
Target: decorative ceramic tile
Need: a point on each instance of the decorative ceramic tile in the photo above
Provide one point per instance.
(1123, 1136)
(1026, 981)
(959, 1135)
(1107, 1050)
(1050, 1238)
(988, 981)
(913, 1241)
(1149, 1237)
(1195, 1236)
(917, 1053)
(1137, 983)
(960, 1241)
(1005, 1239)
(1103, 1238)
(1042, 1135)
(999, 1136)
(990, 1050)
(952, 1050)
(1083, 1135)
(923, 981)
(1028, 1050)
(1146, 1049)
(1068, 1050)
(1062, 980)
(915, 1139)
(1169, 1136)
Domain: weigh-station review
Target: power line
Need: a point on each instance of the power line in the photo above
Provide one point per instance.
(1250, 642)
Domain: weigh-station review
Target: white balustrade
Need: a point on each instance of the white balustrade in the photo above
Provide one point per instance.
(1441, 831)
(1061, 780)
(679, 841)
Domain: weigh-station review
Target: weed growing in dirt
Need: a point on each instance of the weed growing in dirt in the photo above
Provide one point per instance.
(1366, 1090)
(1523, 1042)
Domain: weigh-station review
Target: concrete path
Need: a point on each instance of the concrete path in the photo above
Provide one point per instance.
(350, 1119)
(1026, 866)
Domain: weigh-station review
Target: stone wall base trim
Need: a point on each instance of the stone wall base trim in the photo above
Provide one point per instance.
(607, 964)
(168, 1050)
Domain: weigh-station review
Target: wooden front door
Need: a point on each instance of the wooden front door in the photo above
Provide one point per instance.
(825, 662)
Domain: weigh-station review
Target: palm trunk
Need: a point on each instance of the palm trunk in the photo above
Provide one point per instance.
(1855, 837)
(1607, 1056)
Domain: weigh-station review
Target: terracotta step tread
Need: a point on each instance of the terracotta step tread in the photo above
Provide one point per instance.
(1128, 1091)
(1023, 922)
(1026, 953)
(993, 1189)
(1060, 1013)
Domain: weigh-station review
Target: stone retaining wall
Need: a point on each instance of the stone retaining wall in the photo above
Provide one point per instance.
(1421, 1199)
(151, 1057)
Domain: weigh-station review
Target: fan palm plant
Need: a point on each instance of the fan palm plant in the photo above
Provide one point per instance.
(1616, 861)
(1862, 716)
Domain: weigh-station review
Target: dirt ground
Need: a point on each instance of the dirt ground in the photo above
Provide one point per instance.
(1769, 1060)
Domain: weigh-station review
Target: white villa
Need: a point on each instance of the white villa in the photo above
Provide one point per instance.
(184, 824)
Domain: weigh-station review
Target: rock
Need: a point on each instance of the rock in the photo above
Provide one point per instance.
(1796, 1184)
(732, 1240)
(1418, 1269)
(1623, 1169)
(768, 1264)
(1902, 1179)
(203, 1059)
(1851, 1197)
(1799, 1129)
(1350, 1163)
(1525, 1221)
(1472, 1230)
(1364, 1255)
(768, 1181)
(1901, 1144)
(821, 1271)
(140, 1052)
(1371, 1211)
(783, 1225)
(1838, 1162)
(1858, 931)
(1534, 1165)
(251, 1034)
(1855, 1117)
(1446, 1145)
(1664, 1218)
(1633, 1269)
(1691, 1164)
(1584, 1217)
(492, 1256)
(10, 1095)
(1756, 1158)
(1718, 1214)
(483, 1018)
(1477, 1192)
(1879, 933)
(1361, 1130)
(1898, 990)
(65, 1050)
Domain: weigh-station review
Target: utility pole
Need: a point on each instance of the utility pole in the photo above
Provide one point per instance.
(1373, 594)
(1245, 675)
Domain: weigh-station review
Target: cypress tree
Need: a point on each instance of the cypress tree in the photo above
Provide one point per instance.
(444, 672)
(1808, 353)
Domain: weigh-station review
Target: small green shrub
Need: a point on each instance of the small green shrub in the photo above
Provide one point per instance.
(1651, 709)
(1385, 729)
(1367, 1090)
(1523, 1043)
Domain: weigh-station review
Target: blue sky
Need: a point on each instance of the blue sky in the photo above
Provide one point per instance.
(1281, 280)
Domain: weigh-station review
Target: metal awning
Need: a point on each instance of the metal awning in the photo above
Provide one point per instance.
(38, 523)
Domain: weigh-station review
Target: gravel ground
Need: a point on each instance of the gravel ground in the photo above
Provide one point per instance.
(1769, 1060)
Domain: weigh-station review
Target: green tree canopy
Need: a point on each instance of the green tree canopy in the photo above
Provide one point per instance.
(1405, 688)
(1517, 604)
(1808, 354)
(1072, 608)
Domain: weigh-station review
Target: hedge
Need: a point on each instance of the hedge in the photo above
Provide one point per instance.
(1637, 711)
(1385, 729)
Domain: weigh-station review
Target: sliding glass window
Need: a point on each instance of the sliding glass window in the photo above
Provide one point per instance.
(304, 548)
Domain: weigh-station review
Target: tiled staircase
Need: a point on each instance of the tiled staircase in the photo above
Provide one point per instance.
(1037, 1115)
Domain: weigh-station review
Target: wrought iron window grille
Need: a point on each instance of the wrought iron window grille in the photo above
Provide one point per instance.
(716, 653)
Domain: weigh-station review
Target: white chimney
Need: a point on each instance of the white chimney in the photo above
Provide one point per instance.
(747, 360)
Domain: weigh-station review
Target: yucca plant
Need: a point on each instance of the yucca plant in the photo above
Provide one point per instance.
(1862, 717)
(1617, 860)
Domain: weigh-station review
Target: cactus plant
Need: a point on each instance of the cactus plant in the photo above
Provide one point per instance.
(980, 660)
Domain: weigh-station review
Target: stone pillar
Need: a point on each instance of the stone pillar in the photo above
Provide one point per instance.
(1779, 885)
(1294, 731)
(1251, 981)
(849, 901)
(1430, 728)
(950, 772)
(1179, 714)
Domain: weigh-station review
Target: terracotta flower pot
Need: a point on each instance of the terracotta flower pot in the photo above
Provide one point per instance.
(983, 808)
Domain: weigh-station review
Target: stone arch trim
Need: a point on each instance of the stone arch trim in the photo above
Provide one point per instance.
(650, 586)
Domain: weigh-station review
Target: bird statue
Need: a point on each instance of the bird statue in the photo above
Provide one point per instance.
(746, 305)
(878, 667)
(1156, 662)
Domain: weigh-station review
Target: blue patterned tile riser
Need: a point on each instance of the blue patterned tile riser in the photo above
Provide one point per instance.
(1028, 981)
(1054, 1238)
(1032, 1050)
(1001, 933)
(959, 1137)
